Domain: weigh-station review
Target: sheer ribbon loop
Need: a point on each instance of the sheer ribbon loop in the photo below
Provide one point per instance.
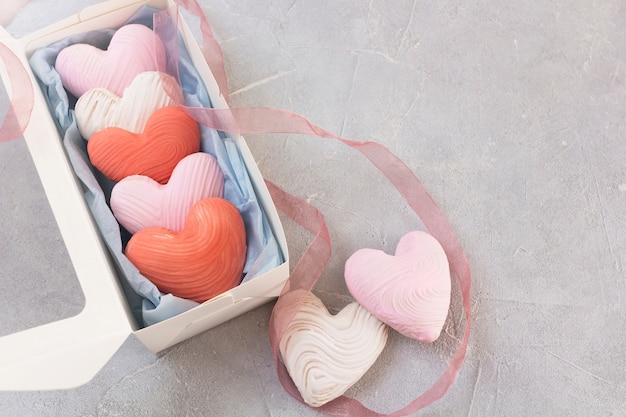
(22, 96)
(310, 267)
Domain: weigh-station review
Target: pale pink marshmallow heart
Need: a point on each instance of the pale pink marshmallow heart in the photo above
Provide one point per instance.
(138, 201)
(100, 108)
(409, 291)
(133, 49)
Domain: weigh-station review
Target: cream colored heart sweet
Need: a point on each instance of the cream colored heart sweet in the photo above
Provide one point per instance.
(325, 354)
(100, 108)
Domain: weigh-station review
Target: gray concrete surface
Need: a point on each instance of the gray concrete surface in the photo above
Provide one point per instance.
(511, 113)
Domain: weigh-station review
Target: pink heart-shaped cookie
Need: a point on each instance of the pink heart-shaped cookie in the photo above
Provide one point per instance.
(139, 202)
(133, 49)
(409, 291)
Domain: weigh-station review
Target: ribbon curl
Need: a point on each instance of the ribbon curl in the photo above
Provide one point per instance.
(21, 104)
(313, 262)
(263, 120)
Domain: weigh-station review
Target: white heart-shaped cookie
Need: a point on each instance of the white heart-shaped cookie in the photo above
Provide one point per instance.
(100, 108)
(325, 354)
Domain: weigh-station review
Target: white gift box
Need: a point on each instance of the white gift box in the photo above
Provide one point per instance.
(69, 352)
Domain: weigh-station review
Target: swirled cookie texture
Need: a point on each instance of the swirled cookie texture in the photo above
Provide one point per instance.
(410, 291)
(133, 49)
(200, 262)
(324, 354)
(169, 136)
(100, 108)
(139, 201)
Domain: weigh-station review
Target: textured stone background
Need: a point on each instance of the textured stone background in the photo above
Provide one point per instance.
(513, 117)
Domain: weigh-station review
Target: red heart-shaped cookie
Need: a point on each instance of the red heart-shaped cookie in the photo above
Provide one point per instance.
(133, 49)
(169, 136)
(203, 260)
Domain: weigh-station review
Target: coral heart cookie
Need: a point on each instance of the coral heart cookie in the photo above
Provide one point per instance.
(100, 108)
(139, 202)
(133, 49)
(409, 291)
(169, 136)
(203, 260)
(324, 354)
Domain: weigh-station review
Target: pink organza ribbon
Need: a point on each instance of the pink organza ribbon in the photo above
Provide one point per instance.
(314, 260)
(21, 102)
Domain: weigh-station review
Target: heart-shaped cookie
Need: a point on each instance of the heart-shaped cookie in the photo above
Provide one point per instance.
(139, 202)
(133, 49)
(325, 354)
(100, 108)
(203, 260)
(169, 136)
(409, 291)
